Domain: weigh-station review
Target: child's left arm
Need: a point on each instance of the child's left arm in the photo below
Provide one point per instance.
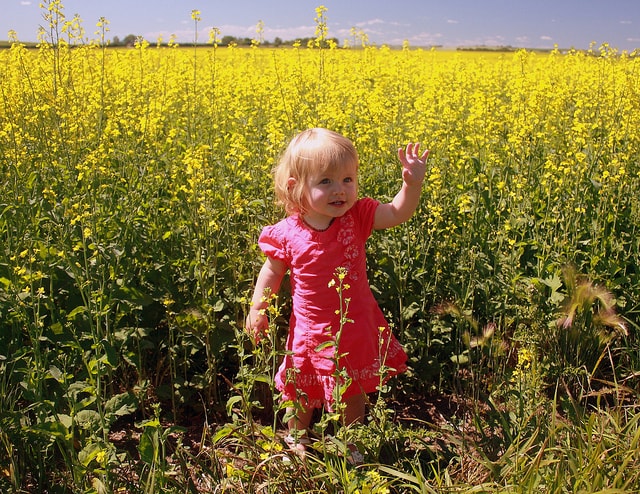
(404, 204)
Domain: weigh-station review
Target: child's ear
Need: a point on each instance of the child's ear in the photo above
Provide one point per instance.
(291, 183)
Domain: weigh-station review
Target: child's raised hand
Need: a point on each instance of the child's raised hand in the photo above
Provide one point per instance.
(414, 164)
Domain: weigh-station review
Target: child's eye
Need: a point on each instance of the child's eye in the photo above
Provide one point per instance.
(348, 180)
(325, 181)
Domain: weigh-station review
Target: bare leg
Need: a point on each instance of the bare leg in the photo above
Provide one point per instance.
(355, 409)
(298, 426)
(354, 413)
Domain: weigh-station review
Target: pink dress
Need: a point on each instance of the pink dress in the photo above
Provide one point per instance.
(366, 343)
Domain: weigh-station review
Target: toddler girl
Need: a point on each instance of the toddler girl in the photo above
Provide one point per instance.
(326, 228)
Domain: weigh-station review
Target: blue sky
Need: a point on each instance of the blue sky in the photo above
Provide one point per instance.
(520, 23)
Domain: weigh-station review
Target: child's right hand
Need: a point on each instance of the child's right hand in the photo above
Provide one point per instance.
(414, 164)
(256, 323)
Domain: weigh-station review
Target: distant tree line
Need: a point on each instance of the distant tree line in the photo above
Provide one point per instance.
(128, 40)
(131, 39)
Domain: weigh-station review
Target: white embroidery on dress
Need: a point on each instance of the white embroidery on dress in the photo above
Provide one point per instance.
(347, 236)
(351, 252)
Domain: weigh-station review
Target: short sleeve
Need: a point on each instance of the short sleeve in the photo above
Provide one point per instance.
(366, 210)
(272, 243)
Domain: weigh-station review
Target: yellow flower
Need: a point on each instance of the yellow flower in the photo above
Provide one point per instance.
(101, 456)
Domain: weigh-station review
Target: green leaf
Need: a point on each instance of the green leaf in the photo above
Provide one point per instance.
(56, 374)
(88, 453)
(56, 328)
(222, 433)
(232, 401)
(147, 447)
(460, 359)
(121, 405)
(410, 311)
(263, 379)
(88, 419)
(54, 428)
(133, 296)
(326, 344)
(110, 356)
(219, 305)
(78, 310)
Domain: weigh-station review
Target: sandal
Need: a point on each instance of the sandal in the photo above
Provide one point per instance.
(355, 458)
(298, 444)
(353, 455)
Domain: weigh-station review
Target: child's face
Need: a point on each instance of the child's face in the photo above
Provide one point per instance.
(331, 194)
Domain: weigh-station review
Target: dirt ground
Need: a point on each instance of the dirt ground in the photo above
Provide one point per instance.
(424, 411)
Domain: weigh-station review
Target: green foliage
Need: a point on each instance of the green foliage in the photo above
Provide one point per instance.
(133, 186)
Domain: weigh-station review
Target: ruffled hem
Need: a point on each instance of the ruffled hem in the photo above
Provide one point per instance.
(315, 390)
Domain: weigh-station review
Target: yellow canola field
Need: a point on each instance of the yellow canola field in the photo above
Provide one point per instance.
(164, 154)
(134, 183)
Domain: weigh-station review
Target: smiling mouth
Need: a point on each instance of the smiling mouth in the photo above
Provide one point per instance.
(338, 203)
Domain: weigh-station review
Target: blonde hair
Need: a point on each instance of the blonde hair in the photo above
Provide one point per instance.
(312, 151)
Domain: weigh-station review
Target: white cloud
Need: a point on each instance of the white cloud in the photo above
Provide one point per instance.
(25, 3)
(288, 33)
(494, 41)
(419, 39)
(371, 22)
(546, 38)
(452, 21)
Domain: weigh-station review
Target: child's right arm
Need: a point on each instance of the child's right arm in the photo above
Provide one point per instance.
(270, 278)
